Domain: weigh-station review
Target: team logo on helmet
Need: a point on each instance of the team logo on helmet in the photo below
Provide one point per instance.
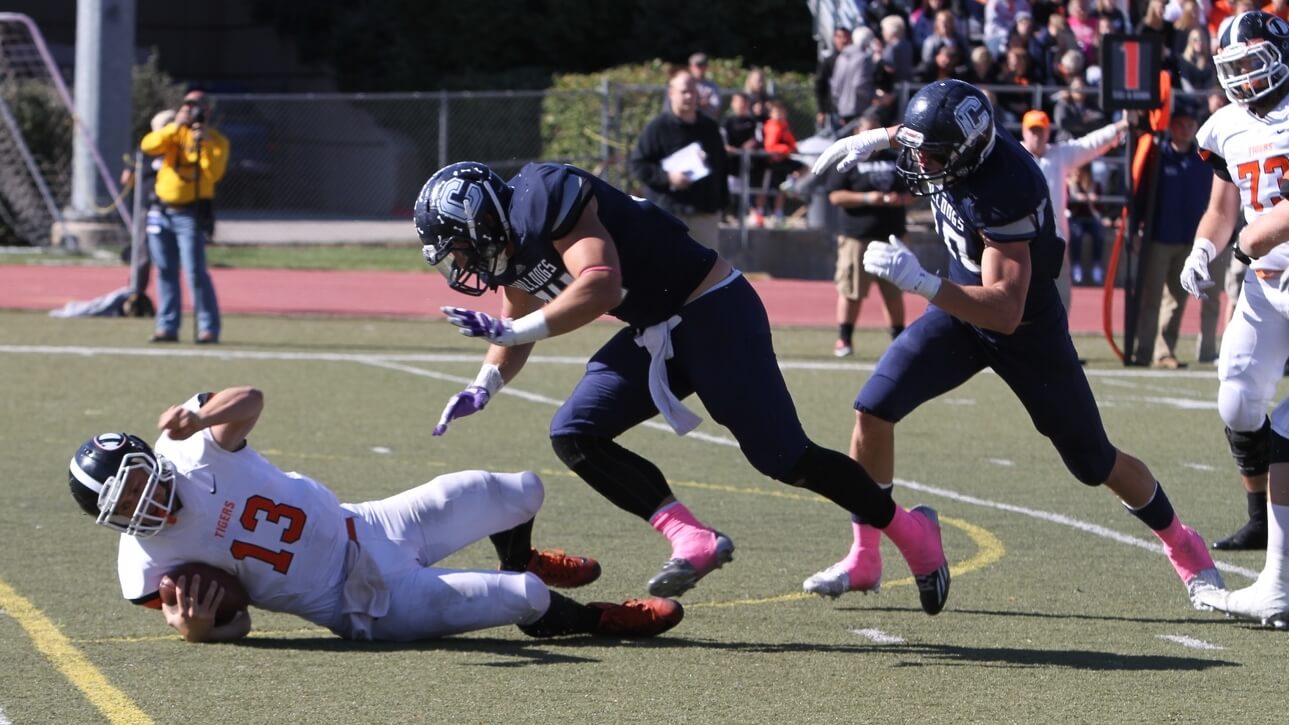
(972, 117)
(459, 200)
(1278, 27)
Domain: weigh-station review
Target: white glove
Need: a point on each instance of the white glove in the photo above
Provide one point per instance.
(895, 263)
(1195, 278)
(849, 151)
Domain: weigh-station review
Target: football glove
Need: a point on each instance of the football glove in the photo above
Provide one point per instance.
(892, 261)
(529, 328)
(467, 402)
(849, 151)
(1195, 277)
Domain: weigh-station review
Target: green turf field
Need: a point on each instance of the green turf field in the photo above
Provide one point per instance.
(1062, 610)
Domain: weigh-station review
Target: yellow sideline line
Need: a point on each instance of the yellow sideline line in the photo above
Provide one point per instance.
(989, 548)
(77, 668)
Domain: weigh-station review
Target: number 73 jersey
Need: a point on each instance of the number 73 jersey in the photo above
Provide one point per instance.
(1251, 152)
(282, 534)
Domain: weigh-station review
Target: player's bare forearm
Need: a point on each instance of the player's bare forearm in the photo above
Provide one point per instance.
(990, 307)
(231, 414)
(1220, 217)
(999, 302)
(590, 296)
(1266, 232)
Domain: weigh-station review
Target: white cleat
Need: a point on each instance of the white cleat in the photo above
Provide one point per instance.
(834, 582)
(1203, 587)
(1266, 601)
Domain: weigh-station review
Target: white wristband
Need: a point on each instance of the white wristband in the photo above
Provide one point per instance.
(529, 328)
(489, 378)
(927, 285)
(874, 138)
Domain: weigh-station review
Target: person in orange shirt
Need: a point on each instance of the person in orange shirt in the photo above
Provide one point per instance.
(779, 144)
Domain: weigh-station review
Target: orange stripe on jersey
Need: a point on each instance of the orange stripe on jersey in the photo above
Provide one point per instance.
(151, 601)
(1205, 154)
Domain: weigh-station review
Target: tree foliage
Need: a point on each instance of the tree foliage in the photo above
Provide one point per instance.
(418, 45)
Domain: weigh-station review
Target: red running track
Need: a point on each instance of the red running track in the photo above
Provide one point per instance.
(420, 294)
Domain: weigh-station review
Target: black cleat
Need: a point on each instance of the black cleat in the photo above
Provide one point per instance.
(1251, 537)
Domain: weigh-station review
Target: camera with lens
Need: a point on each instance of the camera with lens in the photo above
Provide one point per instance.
(196, 114)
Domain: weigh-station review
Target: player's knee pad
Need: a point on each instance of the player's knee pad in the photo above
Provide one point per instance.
(531, 492)
(1279, 448)
(1090, 460)
(1252, 450)
(1241, 409)
(626, 479)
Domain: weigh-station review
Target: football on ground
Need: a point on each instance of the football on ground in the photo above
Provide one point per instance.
(235, 597)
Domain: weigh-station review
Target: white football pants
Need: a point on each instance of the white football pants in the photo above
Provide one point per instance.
(1251, 363)
(407, 533)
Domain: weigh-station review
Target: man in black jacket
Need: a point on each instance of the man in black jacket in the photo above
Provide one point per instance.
(687, 182)
(825, 114)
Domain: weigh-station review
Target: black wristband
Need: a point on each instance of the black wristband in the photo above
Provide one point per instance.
(1239, 253)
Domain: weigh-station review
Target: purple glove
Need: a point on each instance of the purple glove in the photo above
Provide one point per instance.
(477, 324)
(467, 402)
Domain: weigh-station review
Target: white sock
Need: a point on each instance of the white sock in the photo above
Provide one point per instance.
(1277, 541)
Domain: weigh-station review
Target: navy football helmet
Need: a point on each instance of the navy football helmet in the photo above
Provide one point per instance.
(1251, 60)
(462, 208)
(947, 133)
(119, 480)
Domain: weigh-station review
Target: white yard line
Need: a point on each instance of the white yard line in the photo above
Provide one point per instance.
(1191, 642)
(874, 635)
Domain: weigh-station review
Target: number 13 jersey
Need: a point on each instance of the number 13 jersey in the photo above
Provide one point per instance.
(281, 533)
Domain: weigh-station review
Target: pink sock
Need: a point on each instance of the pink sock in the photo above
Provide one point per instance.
(918, 540)
(864, 560)
(690, 540)
(1185, 549)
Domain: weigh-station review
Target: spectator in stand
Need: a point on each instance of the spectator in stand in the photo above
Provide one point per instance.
(780, 144)
(825, 111)
(874, 11)
(1085, 223)
(854, 77)
(1070, 67)
(758, 88)
(1084, 26)
(1153, 23)
(696, 202)
(1278, 8)
(1022, 32)
(898, 51)
(944, 65)
(983, 69)
(922, 24)
(1180, 195)
(709, 94)
(1110, 11)
(1189, 20)
(872, 197)
(1000, 19)
(742, 133)
(945, 31)
(1057, 160)
(1195, 66)
(1015, 72)
(1076, 113)
(1049, 44)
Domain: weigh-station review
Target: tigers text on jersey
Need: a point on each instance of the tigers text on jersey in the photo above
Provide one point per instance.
(1006, 201)
(660, 264)
(1252, 152)
(282, 534)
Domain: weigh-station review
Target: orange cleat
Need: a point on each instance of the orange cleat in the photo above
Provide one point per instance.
(558, 569)
(638, 617)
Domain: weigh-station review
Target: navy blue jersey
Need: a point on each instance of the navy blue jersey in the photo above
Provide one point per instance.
(661, 264)
(1005, 200)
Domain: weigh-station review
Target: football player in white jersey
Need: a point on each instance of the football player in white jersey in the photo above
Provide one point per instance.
(1248, 144)
(364, 571)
